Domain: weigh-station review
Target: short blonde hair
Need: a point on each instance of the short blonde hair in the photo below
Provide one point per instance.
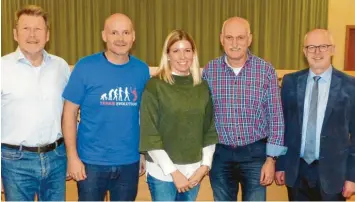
(164, 70)
(32, 10)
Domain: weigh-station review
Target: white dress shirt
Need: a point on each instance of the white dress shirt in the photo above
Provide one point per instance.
(323, 94)
(31, 99)
(162, 167)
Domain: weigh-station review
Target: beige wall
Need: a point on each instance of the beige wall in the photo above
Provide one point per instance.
(340, 14)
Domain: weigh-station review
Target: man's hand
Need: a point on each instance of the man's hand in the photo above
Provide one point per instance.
(68, 178)
(197, 177)
(142, 166)
(181, 182)
(267, 172)
(280, 178)
(76, 169)
(348, 189)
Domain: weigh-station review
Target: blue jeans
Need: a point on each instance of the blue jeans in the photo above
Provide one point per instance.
(166, 191)
(232, 166)
(26, 173)
(121, 181)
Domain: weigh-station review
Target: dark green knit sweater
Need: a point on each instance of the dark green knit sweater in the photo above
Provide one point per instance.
(177, 118)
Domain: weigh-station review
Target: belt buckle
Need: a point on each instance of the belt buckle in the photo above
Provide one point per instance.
(38, 149)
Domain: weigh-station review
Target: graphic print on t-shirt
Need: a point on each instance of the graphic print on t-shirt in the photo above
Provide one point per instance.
(120, 96)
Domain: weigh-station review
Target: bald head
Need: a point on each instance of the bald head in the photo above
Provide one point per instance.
(118, 18)
(236, 22)
(119, 36)
(321, 36)
(235, 38)
(319, 49)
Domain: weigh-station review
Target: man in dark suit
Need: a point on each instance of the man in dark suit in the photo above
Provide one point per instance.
(319, 111)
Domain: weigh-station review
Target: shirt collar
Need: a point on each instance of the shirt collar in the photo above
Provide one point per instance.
(21, 57)
(325, 76)
(229, 65)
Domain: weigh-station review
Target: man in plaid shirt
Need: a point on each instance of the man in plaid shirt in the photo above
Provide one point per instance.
(248, 115)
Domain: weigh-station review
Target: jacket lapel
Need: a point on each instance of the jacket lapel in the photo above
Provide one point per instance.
(335, 87)
(301, 92)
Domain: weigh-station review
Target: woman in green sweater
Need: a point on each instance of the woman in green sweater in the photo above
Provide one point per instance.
(177, 126)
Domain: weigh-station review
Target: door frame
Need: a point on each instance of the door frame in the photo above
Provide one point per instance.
(347, 46)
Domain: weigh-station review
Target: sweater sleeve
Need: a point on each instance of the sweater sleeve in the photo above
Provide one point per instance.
(209, 128)
(150, 139)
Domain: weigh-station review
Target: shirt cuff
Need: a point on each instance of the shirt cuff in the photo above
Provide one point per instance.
(275, 150)
(161, 158)
(207, 155)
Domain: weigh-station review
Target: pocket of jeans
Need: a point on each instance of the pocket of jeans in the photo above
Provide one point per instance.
(258, 149)
(218, 149)
(60, 151)
(11, 154)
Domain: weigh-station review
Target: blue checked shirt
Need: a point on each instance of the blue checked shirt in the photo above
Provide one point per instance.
(248, 105)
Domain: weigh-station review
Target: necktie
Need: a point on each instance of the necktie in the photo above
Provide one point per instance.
(310, 146)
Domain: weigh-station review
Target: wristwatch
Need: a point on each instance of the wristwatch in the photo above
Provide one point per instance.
(273, 157)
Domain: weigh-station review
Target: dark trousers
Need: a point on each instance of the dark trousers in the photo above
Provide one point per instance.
(307, 186)
(121, 181)
(234, 165)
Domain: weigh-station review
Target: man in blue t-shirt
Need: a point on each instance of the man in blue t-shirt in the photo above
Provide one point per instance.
(103, 153)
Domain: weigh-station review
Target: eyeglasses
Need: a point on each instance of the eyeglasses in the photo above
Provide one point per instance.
(321, 48)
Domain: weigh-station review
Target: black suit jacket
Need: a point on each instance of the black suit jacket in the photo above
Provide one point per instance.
(337, 143)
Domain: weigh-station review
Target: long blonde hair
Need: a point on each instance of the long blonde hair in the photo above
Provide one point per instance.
(164, 70)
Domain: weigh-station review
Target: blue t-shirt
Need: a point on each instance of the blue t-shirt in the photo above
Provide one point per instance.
(109, 96)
